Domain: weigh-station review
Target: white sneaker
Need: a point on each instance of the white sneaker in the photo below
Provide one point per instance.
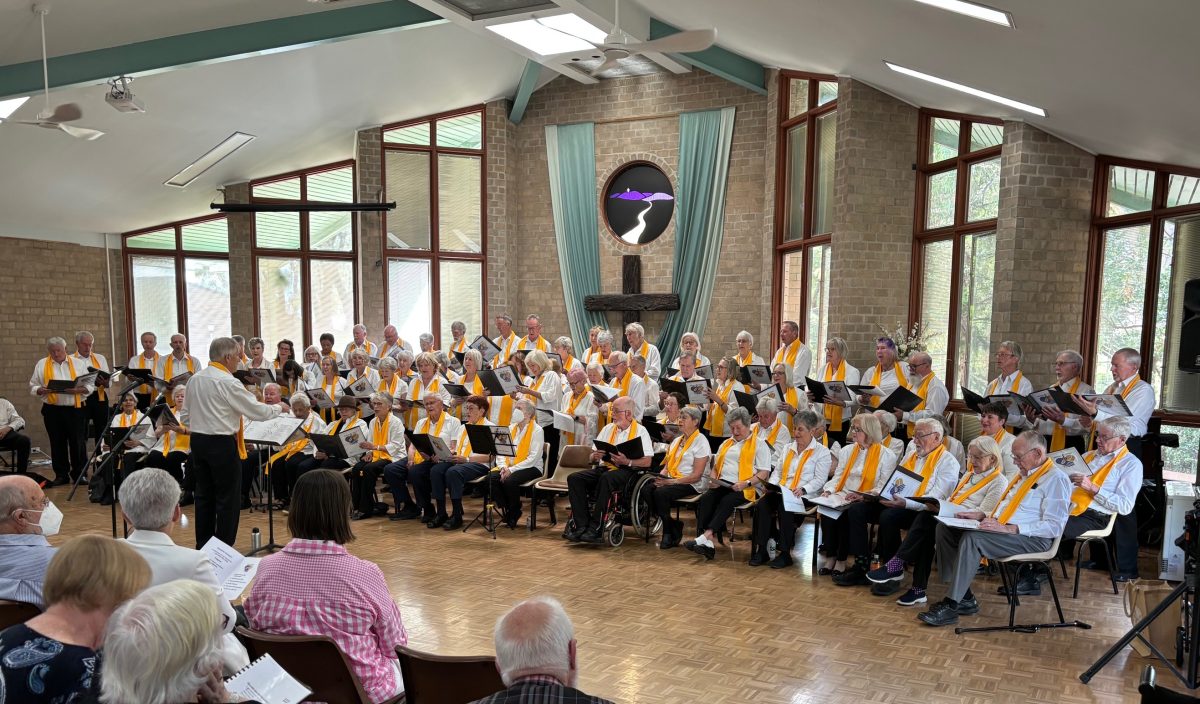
(702, 540)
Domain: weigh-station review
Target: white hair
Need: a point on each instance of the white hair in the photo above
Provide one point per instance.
(221, 347)
(161, 645)
(745, 334)
(425, 337)
(148, 498)
(932, 424)
(565, 343)
(636, 327)
(79, 336)
(534, 637)
(300, 398)
(387, 363)
(767, 405)
(56, 342)
(1117, 425)
(887, 420)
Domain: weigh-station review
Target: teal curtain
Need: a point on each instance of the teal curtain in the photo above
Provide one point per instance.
(571, 158)
(704, 141)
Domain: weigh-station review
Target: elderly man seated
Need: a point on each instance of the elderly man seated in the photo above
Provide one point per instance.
(11, 438)
(536, 656)
(26, 518)
(150, 503)
(1030, 515)
(609, 474)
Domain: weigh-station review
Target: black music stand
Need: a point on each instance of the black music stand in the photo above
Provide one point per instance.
(483, 443)
(107, 465)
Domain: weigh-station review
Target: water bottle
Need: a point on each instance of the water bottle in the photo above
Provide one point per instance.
(874, 558)
(255, 540)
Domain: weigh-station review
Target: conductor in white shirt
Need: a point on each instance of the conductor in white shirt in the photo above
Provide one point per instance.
(216, 403)
(150, 503)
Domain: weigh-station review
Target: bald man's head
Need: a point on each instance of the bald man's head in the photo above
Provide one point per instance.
(19, 497)
(536, 638)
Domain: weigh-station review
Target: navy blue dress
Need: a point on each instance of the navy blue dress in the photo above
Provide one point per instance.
(34, 668)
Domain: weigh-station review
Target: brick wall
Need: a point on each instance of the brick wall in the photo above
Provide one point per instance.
(737, 301)
(51, 289)
(1041, 246)
(241, 267)
(872, 216)
(502, 198)
(368, 148)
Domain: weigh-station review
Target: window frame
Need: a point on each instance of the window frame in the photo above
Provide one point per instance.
(179, 255)
(1155, 217)
(434, 254)
(303, 253)
(955, 232)
(807, 240)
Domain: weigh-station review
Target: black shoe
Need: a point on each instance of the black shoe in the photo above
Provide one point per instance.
(437, 522)
(1122, 577)
(59, 481)
(513, 520)
(757, 559)
(591, 536)
(885, 588)
(692, 546)
(707, 552)
(669, 540)
(943, 613)
(454, 523)
(187, 499)
(571, 535)
(1026, 586)
(855, 576)
(781, 561)
(357, 516)
(407, 514)
(968, 606)
(245, 502)
(108, 500)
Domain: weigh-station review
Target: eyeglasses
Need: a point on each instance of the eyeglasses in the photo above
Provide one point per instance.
(1018, 455)
(976, 458)
(1005, 354)
(1105, 438)
(856, 429)
(921, 436)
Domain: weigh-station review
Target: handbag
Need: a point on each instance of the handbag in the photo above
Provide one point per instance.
(1140, 598)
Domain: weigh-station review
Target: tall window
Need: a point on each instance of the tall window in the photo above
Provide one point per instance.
(178, 278)
(804, 202)
(436, 243)
(305, 268)
(954, 250)
(1145, 247)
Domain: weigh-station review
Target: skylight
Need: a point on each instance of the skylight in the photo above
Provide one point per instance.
(967, 89)
(558, 34)
(970, 9)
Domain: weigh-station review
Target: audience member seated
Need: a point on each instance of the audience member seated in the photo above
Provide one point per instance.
(1030, 515)
(742, 459)
(506, 478)
(52, 656)
(164, 645)
(150, 503)
(979, 489)
(384, 444)
(864, 465)
(11, 438)
(536, 655)
(682, 473)
(610, 473)
(803, 469)
(26, 518)
(315, 587)
(466, 465)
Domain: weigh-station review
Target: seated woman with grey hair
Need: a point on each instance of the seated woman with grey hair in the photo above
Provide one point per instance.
(741, 460)
(359, 370)
(285, 464)
(389, 380)
(384, 445)
(863, 465)
(164, 646)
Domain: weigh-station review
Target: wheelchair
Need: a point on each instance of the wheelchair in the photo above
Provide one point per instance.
(629, 506)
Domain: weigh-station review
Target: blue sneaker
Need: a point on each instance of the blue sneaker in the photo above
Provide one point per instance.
(912, 597)
(881, 574)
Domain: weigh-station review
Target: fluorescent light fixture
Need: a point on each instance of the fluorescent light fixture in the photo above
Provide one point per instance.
(8, 107)
(193, 170)
(967, 89)
(970, 9)
(559, 34)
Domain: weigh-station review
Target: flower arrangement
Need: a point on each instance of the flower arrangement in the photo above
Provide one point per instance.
(909, 341)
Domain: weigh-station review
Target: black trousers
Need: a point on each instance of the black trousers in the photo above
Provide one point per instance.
(454, 479)
(363, 477)
(97, 415)
(418, 476)
(1125, 541)
(765, 512)
(172, 463)
(715, 507)
(663, 497)
(550, 436)
(284, 473)
(507, 492)
(919, 547)
(218, 471)
(891, 522)
(599, 482)
(14, 440)
(67, 428)
(850, 533)
(255, 458)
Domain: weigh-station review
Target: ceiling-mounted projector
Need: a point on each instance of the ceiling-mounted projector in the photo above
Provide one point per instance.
(121, 97)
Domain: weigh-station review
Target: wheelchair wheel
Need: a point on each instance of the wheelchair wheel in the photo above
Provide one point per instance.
(641, 508)
(616, 535)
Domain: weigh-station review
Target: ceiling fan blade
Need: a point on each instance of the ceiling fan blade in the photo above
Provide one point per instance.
(35, 123)
(81, 132)
(609, 62)
(67, 112)
(680, 43)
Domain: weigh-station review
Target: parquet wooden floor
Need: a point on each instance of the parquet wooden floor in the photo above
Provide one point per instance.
(658, 626)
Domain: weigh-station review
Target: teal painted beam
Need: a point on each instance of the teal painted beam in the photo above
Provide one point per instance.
(528, 84)
(214, 45)
(719, 62)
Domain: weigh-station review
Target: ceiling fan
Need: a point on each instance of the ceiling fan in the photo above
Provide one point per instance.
(57, 118)
(618, 45)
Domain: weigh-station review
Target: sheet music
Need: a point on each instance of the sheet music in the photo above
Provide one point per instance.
(963, 523)
(791, 502)
(350, 442)
(234, 570)
(276, 431)
(264, 680)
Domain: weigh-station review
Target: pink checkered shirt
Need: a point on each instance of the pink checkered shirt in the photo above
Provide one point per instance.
(315, 587)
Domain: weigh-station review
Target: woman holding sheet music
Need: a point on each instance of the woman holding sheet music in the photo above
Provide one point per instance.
(173, 447)
(347, 410)
(359, 369)
(469, 379)
(466, 465)
(837, 412)
(286, 464)
(864, 466)
(801, 470)
(792, 401)
(389, 381)
(721, 397)
(332, 384)
(741, 460)
(132, 451)
(546, 391)
(426, 382)
(682, 474)
(384, 445)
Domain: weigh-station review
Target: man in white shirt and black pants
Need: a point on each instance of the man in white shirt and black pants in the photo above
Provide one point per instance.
(62, 411)
(216, 403)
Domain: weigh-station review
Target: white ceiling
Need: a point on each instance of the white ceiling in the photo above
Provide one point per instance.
(1115, 77)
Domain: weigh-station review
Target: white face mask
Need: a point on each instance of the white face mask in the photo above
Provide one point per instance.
(51, 520)
(517, 416)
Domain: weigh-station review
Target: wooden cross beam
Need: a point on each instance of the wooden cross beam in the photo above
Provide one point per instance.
(631, 301)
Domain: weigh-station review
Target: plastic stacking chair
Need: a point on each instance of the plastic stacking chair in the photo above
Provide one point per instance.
(575, 458)
(1099, 535)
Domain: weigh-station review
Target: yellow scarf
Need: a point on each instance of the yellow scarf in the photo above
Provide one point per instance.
(958, 495)
(1022, 490)
(771, 436)
(175, 441)
(415, 395)
(785, 467)
(524, 444)
(387, 346)
(676, 452)
(48, 375)
(748, 359)
(928, 464)
(745, 461)
(878, 376)
(423, 427)
(870, 467)
(569, 363)
(99, 390)
(460, 346)
(1058, 439)
(379, 436)
(127, 421)
(476, 389)
(833, 412)
(463, 448)
(144, 363)
(1081, 498)
(1133, 381)
(331, 390)
(792, 398)
(169, 367)
(614, 431)
(1016, 385)
(576, 399)
(539, 343)
(787, 355)
(294, 446)
(920, 391)
(506, 349)
(716, 415)
(241, 431)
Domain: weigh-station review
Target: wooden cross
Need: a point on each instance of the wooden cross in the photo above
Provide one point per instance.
(631, 301)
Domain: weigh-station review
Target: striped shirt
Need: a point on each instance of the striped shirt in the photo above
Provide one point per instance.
(23, 561)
